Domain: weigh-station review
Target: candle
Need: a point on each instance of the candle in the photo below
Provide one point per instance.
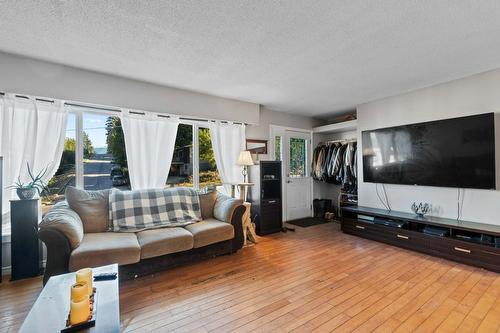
(79, 311)
(79, 291)
(85, 275)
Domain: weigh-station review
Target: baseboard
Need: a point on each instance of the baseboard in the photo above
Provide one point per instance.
(7, 269)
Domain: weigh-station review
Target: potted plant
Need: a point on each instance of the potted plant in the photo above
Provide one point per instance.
(26, 191)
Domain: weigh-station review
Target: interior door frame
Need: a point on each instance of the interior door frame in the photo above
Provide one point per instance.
(277, 130)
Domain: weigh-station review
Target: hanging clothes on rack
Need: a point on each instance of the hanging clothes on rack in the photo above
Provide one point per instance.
(348, 178)
(336, 162)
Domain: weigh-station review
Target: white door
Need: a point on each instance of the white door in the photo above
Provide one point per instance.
(296, 151)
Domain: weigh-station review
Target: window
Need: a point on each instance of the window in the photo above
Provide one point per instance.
(104, 156)
(103, 163)
(66, 173)
(298, 158)
(181, 169)
(193, 163)
(95, 158)
(278, 149)
(209, 177)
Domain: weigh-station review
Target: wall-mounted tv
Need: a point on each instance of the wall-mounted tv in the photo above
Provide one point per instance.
(458, 152)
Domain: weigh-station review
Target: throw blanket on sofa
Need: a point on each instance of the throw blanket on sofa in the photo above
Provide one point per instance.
(132, 211)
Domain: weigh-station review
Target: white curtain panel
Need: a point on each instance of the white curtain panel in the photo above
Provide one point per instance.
(228, 140)
(150, 143)
(31, 132)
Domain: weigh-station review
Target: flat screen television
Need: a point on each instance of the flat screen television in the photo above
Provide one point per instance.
(458, 152)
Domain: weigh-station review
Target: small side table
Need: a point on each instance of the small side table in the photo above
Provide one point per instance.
(25, 245)
(248, 226)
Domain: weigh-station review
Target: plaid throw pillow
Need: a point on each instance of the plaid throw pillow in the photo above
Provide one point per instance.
(132, 211)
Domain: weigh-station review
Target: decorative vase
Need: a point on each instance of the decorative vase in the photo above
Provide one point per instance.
(421, 209)
(26, 193)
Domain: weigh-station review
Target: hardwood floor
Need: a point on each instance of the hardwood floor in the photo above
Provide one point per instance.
(314, 280)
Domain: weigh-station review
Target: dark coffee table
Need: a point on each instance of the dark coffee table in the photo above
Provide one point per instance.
(50, 311)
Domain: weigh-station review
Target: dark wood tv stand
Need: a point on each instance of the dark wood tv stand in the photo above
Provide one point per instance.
(472, 243)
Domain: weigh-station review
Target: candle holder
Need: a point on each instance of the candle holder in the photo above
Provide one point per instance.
(91, 319)
(85, 275)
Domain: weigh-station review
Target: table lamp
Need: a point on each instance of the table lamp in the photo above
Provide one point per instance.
(245, 159)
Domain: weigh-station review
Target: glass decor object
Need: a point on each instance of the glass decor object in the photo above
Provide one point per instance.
(421, 209)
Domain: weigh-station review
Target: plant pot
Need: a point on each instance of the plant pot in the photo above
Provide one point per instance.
(26, 193)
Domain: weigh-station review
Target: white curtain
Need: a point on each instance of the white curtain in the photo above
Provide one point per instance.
(150, 143)
(228, 140)
(31, 132)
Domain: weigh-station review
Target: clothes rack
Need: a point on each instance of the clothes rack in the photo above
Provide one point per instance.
(338, 141)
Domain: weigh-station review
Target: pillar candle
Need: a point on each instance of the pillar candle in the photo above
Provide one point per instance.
(85, 275)
(80, 310)
(78, 291)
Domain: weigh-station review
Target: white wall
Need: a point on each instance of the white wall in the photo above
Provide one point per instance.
(472, 95)
(34, 77)
(270, 117)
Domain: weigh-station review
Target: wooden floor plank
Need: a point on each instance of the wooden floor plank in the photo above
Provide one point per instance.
(316, 279)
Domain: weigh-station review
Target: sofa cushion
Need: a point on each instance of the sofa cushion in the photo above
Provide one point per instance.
(224, 207)
(65, 220)
(210, 231)
(157, 242)
(104, 248)
(92, 206)
(207, 203)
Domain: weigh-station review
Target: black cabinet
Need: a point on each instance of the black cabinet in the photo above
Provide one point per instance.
(25, 245)
(265, 196)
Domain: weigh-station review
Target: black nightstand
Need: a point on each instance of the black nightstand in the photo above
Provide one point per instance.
(25, 245)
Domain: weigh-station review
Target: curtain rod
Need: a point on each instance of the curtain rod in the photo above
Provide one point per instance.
(185, 118)
(92, 107)
(26, 97)
(117, 110)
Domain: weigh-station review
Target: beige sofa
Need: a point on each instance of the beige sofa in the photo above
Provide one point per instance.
(76, 235)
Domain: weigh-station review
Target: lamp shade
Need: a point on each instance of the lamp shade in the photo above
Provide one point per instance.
(245, 158)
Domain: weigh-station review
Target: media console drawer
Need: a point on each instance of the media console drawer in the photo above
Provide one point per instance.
(391, 235)
(412, 237)
(469, 251)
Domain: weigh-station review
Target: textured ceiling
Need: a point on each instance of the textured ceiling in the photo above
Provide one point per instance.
(308, 57)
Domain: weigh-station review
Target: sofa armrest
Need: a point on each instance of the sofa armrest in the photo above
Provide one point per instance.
(237, 222)
(224, 207)
(58, 252)
(61, 230)
(65, 220)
